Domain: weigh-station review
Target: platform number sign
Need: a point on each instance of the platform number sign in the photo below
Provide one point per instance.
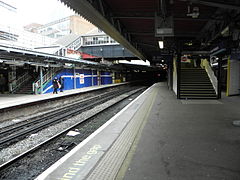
(81, 79)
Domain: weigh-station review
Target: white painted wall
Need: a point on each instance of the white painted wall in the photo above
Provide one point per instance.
(175, 75)
(233, 87)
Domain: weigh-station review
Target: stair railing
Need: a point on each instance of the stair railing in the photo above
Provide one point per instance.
(46, 77)
(206, 65)
(76, 44)
(20, 81)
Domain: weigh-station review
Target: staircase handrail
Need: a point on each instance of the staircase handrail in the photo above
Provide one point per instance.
(21, 80)
(76, 44)
(211, 74)
(46, 77)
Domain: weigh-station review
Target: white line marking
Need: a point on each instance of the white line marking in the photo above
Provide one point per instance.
(74, 150)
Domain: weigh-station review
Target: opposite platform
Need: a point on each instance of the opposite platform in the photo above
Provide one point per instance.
(13, 100)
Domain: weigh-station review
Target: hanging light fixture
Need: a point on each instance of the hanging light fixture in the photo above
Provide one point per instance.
(161, 45)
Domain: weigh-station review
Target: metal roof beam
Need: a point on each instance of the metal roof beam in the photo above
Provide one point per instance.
(133, 17)
(175, 18)
(216, 4)
(94, 15)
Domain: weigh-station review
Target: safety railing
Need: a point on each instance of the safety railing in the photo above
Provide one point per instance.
(20, 81)
(98, 40)
(206, 65)
(75, 45)
(36, 86)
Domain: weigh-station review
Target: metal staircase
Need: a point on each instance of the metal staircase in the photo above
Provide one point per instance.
(26, 87)
(23, 85)
(36, 85)
(195, 84)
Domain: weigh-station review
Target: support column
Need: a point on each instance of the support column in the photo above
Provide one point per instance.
(74, 78)
(98, 77)
(92, 78)
(113, 77)
(219, 77)
(41, 80)
(178, 74)
(170, 75)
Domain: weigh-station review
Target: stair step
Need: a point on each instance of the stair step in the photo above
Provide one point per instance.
(201, 90)
(193, 89)
(192, 81)
(194, 84)
(197, 95)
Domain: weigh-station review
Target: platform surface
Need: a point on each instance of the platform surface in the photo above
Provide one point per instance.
(158, 137)
(10, 100)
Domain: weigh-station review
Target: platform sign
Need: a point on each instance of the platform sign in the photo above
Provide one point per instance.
(81, 81)
(81, 78)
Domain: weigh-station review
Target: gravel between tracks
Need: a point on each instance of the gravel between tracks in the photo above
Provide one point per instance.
(41, 136)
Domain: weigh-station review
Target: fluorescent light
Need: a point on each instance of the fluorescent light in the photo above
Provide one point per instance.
(160, 44)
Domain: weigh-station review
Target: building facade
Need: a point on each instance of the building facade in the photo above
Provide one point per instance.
(70, 25)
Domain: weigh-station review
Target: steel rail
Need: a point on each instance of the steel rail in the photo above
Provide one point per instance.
(20, 156)
(35, 120)
(55, 118)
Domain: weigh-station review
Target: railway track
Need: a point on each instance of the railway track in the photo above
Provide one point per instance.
(9, 133)
(12, 133)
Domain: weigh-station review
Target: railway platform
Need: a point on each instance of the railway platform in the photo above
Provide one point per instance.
(158, 137)
(15, 100)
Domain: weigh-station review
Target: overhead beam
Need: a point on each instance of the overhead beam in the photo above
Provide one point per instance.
(213, 29)
(196, 52)
(174, 18)
(195, 19)
(149, 45)
(142, 33)
(133, 17)
(216, 4)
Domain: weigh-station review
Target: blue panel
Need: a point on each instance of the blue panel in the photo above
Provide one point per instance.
(105, 73)
(88, 81)
(106, 80)
(69, 80)
(95, 81)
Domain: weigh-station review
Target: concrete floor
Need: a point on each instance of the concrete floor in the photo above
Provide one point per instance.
(187, 140)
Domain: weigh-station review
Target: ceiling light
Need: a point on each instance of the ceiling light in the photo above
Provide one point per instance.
(160, 43)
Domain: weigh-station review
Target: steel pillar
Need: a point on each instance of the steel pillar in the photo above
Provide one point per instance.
(178, 74)
(41, 80)
(74, 78)
(219, 78)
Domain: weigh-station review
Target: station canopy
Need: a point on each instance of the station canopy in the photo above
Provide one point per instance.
(182, 25)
